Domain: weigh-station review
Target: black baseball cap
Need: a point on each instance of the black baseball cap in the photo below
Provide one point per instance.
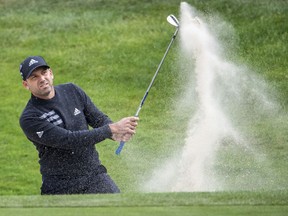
(30, 64)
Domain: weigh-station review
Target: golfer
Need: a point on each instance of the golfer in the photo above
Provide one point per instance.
(56, 120)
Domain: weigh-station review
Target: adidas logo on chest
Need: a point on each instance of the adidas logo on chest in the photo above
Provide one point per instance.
(76, 112)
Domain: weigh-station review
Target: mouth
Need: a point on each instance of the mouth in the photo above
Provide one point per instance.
(44, 85)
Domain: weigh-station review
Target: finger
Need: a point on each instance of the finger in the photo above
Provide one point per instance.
(130, 130)
(131, 125)
(134, 124)
(134, 119)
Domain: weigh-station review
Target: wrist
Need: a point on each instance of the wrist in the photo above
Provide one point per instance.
(112, 128)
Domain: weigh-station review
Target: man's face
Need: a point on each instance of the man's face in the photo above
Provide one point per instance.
(40, 83)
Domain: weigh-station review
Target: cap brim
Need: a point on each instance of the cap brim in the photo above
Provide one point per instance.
(31, 71)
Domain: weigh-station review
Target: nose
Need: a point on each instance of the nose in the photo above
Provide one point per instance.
(41, 78)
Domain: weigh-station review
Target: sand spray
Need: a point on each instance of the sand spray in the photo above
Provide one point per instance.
(224, 99)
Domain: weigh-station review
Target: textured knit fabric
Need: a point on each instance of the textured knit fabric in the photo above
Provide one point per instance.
(59, 128)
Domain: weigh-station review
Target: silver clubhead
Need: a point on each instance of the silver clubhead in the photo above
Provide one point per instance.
(173, 20)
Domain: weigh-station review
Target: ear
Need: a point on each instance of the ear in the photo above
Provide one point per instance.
(25, 84)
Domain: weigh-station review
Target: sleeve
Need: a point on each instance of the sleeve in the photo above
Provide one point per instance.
(95, 118)
(43, 132)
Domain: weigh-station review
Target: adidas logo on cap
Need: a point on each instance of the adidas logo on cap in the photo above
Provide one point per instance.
(32, 61)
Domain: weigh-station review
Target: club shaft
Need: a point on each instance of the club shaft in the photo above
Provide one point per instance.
(158, 69)
(122, 143)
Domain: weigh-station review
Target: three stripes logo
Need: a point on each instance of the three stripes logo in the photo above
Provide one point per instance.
(52, 117)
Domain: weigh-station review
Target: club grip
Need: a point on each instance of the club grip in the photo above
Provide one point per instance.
(120, 147)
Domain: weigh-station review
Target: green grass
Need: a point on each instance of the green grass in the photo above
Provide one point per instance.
(218, 203)
(165, 211)
(149, 199)
(111, 49)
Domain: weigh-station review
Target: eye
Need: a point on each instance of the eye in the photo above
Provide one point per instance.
(45, 71)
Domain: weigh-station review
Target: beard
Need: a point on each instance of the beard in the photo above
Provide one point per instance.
(44, 91)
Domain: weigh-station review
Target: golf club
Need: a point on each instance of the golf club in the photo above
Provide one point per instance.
(173, 21)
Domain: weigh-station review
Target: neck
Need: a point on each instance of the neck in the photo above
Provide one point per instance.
(51, 94)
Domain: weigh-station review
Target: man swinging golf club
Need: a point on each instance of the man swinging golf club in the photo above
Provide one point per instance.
(56, 120)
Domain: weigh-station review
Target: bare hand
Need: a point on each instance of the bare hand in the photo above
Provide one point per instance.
(124, 129)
